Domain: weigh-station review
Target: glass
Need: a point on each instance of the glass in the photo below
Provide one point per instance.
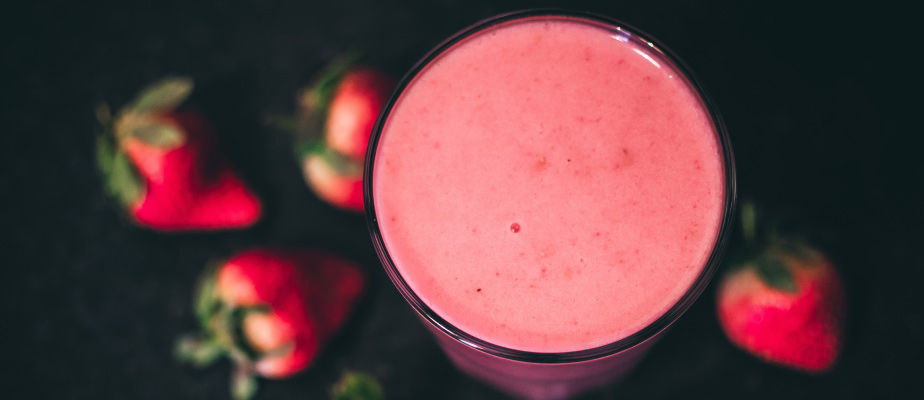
(539, 375)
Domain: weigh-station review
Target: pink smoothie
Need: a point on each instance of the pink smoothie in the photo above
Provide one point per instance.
(549, 186)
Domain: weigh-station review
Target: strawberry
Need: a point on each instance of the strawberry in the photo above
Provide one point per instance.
(271, 310)
(786, 305)
(336, 116)
(355, 105)
(335, 179)
(164, 165)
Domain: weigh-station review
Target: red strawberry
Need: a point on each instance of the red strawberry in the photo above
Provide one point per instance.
(354, 108)
(335, 179)
(165, 167)
(335, 119)
(786, 305)
(271, 310)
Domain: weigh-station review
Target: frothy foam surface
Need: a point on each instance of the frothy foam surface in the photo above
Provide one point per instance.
(549, 185)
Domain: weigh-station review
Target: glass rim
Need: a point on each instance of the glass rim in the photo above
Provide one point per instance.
(652, 329)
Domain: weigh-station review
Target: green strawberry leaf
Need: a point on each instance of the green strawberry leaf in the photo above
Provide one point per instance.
(123, 181)
(159, 135)
(243, 383)
(309, 147)
(327, 80)
(773, 271)
(105, 143)
(357, 386)
(198, 351)
(207, 302)
(105, 153)
(163, 95)
(344, 165)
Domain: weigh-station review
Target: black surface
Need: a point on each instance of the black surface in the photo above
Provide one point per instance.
(817, 99)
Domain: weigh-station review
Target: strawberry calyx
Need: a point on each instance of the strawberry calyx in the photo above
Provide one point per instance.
(331, 128)
(772, 271)
(224, 332)
(308, 124)
(121, 178)
(270, 310)
(314, 101)
(164, 95)
(138, 121)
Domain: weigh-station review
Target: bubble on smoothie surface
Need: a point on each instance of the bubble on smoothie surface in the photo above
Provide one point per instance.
(514, 227)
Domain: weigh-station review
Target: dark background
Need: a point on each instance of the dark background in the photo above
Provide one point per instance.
(817, 98)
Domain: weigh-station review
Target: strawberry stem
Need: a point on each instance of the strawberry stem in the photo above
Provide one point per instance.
(243, 383)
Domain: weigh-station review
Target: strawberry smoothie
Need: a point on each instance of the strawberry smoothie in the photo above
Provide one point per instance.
(548, 185)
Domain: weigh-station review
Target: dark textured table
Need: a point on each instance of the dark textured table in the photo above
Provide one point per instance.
(813, 96)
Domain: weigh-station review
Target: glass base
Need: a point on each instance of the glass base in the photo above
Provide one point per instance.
(541, 381)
